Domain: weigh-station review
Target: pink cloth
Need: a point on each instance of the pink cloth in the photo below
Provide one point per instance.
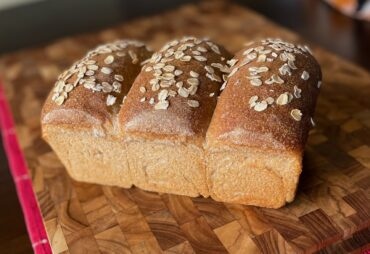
(18, 168)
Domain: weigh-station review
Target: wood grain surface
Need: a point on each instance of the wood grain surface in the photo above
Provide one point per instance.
(330, 214)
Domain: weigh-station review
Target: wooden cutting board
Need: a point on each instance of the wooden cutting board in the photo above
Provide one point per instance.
(332, 208)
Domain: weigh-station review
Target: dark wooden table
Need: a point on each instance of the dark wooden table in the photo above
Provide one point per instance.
(43, 22)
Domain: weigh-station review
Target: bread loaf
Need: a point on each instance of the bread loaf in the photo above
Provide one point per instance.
(171, 133)
(166, 114)
(257, 135)
(79, 117)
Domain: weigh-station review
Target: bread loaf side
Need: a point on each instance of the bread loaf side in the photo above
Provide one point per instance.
(79, 117)
(167, 112)
(257, 135)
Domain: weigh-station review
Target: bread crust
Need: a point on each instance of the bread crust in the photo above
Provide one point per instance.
(179, 122)
(240, 124)
(84, 107)
(235, 123)
(79, 117)
(166, 115)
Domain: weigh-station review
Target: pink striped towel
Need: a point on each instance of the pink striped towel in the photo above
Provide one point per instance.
(19, 171)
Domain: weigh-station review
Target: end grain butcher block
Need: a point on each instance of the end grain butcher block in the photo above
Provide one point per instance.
(331, 212)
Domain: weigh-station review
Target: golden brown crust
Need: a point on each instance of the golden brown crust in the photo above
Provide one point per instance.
(86, 104)
(236, 122)
(178, 121)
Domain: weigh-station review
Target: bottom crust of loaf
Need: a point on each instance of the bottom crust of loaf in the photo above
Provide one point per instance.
(167, 166)
(89, 156)
(253, 177)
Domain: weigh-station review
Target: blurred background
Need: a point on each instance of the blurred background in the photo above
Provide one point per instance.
(340, 26)
(25, 23)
